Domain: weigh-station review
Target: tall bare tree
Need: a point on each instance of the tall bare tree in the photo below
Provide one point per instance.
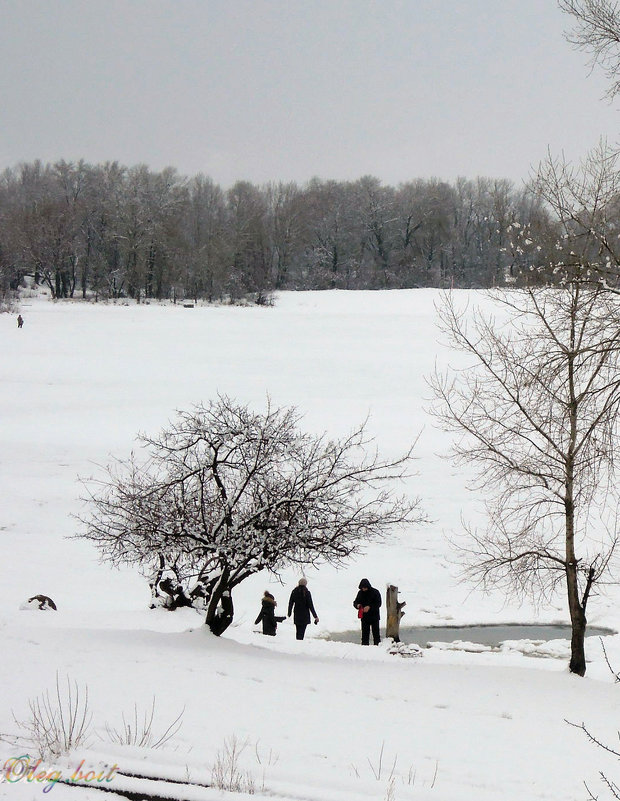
(536, 412)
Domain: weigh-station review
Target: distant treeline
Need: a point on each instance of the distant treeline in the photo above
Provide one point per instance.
(110, 231)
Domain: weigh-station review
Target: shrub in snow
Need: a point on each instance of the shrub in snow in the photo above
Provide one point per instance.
(384, 768)
(59, 721)
(137, 729)
(227, 773)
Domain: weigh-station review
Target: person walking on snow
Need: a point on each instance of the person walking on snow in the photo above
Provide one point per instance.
(368, 602)
(268, 615)
(301, 602)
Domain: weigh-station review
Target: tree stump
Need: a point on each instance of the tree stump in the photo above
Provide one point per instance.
(394, 612)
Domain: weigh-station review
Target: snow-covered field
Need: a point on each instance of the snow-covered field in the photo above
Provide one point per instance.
(323, 721)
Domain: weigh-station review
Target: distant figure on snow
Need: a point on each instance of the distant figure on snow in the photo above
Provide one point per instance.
(301, 602)
(368, 602)
(20, 321)
(268, 615)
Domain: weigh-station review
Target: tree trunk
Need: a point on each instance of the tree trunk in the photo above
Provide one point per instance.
(578, 623)
(220, 609)
(578, 655)
(576, 609)
(394, 613)
(154, 582)
(224, 614)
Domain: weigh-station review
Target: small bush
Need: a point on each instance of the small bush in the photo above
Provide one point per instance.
(227, 774)
(59, 720)
(137, 729)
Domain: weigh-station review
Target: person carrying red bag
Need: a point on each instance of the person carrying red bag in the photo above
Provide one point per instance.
(368, 602)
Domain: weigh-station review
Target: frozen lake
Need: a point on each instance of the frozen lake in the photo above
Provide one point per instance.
(484, 635)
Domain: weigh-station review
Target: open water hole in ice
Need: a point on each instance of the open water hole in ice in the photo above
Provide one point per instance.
(491, 634)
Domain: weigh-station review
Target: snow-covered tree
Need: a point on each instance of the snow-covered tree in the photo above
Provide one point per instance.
(224, 492)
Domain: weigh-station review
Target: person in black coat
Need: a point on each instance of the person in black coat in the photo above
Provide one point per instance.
(368, 602)
(301, 602)
(268, 615)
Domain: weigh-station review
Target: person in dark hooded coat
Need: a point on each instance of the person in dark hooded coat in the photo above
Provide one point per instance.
(268, 615)
(368, 602)
(301, 602)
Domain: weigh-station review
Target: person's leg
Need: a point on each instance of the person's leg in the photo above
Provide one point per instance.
(301, 630)
(376, 636)
(365, 631)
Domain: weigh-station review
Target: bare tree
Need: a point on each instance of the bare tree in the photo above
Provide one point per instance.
(535, 410)
(285, 223)
(584, 199)
(206, 249)
(597, 31)
(224, 493)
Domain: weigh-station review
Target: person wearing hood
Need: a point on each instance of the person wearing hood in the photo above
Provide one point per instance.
(368, 602)
(301, 602)
(268, 615)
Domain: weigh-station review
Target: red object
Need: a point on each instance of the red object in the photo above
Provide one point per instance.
(360, 612)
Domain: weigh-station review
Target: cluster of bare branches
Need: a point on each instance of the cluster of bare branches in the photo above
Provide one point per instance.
(138, 729)
(59, 721)
(597, 32)
(584, 198)
(610, 785)
(225, 492)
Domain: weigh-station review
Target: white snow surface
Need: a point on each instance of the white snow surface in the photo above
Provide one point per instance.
(80, 380)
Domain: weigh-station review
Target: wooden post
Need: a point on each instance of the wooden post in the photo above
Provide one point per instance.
(394, 612)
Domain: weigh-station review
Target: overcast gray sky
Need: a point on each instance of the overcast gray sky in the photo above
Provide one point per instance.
(290, 89)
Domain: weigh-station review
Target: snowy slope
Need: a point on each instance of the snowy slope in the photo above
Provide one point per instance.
(79, 381)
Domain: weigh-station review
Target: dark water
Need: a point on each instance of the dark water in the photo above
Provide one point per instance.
(484, 635)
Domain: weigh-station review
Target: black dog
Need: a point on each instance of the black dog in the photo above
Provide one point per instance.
(44, 602)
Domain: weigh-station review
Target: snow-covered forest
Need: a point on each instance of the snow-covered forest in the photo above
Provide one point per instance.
(109, 231)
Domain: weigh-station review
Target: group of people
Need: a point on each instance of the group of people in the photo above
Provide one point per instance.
(301, 607)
